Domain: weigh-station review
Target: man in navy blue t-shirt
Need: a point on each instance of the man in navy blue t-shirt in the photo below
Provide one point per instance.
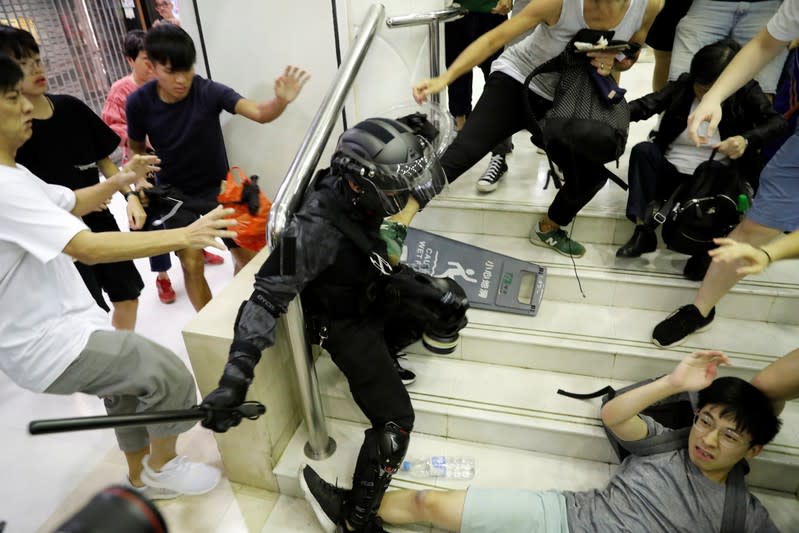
(178, 112)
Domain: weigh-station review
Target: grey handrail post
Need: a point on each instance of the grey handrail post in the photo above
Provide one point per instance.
(319, 445)
(433, 19)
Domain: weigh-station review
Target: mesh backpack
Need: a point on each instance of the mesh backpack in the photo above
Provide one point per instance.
(589, 117)
(677, 412)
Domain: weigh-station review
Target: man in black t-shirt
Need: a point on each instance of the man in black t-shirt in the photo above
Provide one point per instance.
(70, 143)
(178, 113)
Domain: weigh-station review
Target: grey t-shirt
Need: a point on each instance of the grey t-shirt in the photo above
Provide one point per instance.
(662, 492)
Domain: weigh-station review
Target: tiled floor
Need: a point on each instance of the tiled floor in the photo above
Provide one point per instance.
(46, 478)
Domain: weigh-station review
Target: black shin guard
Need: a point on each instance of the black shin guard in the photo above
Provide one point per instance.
(381, 455)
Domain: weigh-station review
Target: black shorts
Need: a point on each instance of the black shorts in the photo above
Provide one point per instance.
(661, 34)
(120, 281)
(177, 209)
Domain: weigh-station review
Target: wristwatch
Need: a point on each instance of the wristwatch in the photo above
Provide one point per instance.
(128, 194)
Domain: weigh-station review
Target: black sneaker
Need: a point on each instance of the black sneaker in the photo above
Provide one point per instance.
(405, 375)
(326, 500)
(696, 267)
(681, 323)
(497, 168)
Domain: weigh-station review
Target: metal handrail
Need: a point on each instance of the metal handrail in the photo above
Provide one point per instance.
(452, 12)
(319, 445)
(432, 19)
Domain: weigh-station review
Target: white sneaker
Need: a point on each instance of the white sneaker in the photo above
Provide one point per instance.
(153, 493)
(181, 475)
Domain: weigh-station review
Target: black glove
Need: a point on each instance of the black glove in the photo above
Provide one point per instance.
(420, 125)
(222, 401)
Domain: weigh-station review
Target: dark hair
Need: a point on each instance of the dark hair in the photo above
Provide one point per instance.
(10, 73)
(168, 44)
(134, 43)
(711, 60)
(19, 44)
(744, 403)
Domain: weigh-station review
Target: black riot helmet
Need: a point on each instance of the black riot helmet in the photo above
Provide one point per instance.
(386, 161)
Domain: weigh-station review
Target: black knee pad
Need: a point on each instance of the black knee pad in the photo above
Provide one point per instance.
(381, 455)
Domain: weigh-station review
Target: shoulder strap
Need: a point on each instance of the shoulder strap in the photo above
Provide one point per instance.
(553, 65)
(735, 499)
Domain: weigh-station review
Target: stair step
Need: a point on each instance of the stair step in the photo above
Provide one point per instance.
(518, 408)
(653, 282)
(496, 466)
(609, 342)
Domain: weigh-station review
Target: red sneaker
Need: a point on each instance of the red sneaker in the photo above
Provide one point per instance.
(212, 259)
(165, 291)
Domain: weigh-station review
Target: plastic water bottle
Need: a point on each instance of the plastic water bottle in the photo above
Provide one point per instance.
(452, 467)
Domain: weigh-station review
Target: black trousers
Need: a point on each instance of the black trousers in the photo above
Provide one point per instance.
(651, 177)
(459, 34)
(499, 113)
(362, 348)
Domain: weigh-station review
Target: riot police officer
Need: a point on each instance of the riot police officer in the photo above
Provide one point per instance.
(356, 304)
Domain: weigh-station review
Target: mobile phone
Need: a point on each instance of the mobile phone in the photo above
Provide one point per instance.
(611, 48)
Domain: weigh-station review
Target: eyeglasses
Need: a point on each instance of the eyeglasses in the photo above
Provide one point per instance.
(728, 437)
(31, 64)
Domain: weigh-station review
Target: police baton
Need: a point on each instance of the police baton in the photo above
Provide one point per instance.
(249, 410)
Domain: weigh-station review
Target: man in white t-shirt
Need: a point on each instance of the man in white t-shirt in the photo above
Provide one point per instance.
(59, 341)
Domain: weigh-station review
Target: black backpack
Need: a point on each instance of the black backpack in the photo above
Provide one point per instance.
(677, 412)
(589, 117)
(702, 208)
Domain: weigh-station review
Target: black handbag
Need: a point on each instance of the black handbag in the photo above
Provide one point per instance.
(703, 208)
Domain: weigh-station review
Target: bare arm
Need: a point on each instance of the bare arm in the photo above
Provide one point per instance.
(137, 147)
(287, 88)
(749, 61)
(108, 247)
(141, 165)
(93, 198)
(694, 373)
(652, 10)
(546, 11)
(755, 259)
(746, 63)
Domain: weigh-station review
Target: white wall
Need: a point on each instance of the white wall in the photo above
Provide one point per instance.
(249, 42)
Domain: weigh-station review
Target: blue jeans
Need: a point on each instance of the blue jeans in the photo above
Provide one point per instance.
(709, 21)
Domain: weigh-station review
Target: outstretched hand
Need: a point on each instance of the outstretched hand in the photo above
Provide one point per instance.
(142, 166)
(289, 84)
(208, 228)
(707, 112)
(425, 88)
(697, 370)
(729, 250)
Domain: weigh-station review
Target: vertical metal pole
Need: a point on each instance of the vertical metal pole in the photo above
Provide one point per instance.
(319, 445)
(433, 36)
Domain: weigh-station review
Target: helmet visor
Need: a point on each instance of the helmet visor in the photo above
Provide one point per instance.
(421, 176)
